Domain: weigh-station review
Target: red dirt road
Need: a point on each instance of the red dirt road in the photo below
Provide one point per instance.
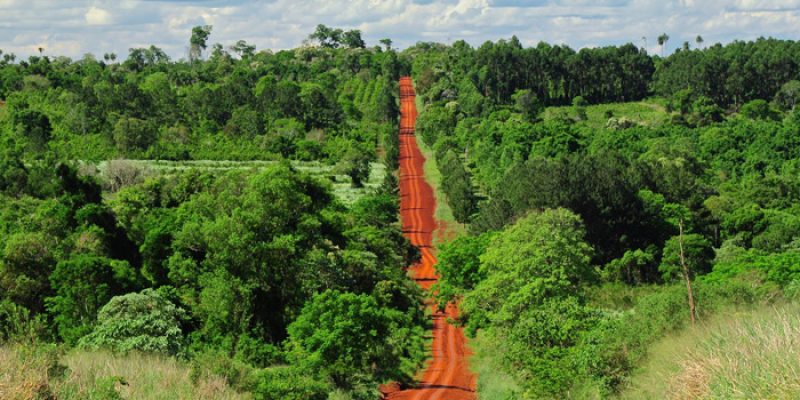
(447, 376)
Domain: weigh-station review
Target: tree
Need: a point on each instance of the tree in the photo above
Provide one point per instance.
(355, 164)
(632, 268)
(457, 186)
(757, 109)
(243, 49)
(662, 41)
(27, 262)
(459, 267)
(527, 104)
(145, 321)
(705, 111)
(698, 40)
(684, 255)
(789, 95)
(131, 134)
(387, 43)
(543, 255)
(82, 285)
(346, 336)
(352, 39)
(327, 37)
(33, 125)
(579, 104)
(13, 173)
(198, 41)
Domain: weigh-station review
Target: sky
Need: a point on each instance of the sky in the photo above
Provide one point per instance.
(75, 27)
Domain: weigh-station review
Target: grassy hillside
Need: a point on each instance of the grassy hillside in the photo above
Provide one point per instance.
(743, 354)
(44, 372)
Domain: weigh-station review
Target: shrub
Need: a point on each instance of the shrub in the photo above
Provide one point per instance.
(287, 383)
(143, 321)
(608, 353)
(17, 323)
(538, 345)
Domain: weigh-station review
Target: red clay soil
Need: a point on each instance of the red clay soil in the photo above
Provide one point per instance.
(447, 376)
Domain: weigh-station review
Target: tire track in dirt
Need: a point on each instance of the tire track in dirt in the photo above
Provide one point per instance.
(446, 376)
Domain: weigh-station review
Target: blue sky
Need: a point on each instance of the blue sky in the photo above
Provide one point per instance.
(75, 27)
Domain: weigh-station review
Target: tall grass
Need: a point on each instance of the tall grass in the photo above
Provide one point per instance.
(753, 354)
(43, 372)
(493, 382)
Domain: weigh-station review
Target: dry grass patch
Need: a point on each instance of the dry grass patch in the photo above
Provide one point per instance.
(753, 354)
(42, 372)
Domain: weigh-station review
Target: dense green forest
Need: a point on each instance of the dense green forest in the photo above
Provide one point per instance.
(586, 241)
(589, 230)
(255, 272)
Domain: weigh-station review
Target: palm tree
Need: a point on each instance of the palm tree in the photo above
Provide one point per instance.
(662, 41)
(698, 40)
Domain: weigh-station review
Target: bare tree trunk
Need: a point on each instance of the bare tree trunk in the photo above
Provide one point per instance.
(686, 275)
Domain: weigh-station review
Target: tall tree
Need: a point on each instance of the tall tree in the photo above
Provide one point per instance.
(199, 41)
(662, 41)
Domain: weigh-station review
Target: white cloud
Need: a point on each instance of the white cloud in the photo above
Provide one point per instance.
(100, 26)
(98, 16)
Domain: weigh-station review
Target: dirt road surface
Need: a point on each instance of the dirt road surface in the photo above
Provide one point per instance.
(447, 376)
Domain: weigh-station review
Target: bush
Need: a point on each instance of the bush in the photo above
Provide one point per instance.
(216, 363)
(608, 353)
(538, 345)
(287, 383)
(459, 266)
(143, 321)
(17, 323)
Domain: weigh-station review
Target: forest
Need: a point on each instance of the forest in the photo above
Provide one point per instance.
(594, 232)
(608, 200)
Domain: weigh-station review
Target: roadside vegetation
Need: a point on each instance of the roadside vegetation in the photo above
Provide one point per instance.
(219, 227)
(748, 354)
(226, 226)
(616, 201)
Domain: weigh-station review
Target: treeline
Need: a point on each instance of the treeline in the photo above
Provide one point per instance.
(555, 74)
(733, 74)
(729, 75)
(583, 247)
(313, 102)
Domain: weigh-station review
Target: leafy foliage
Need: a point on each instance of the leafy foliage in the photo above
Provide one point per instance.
(144, 321)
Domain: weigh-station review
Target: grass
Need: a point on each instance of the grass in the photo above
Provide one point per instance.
(649, 112)
(448, 228)
(741, 354)
(341, 184)
(493, 383)
(43, 372)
